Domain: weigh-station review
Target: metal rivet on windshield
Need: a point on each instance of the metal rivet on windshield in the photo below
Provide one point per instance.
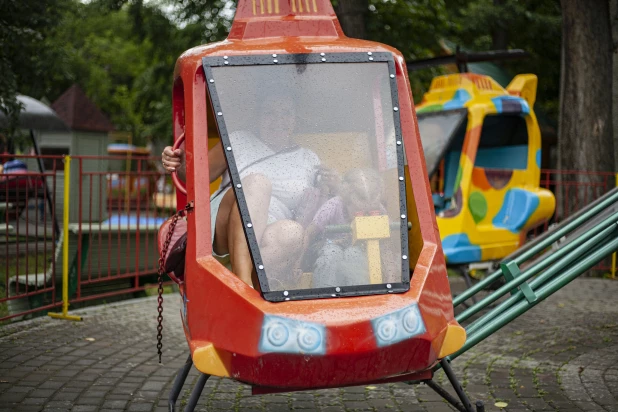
(398, 142)
(403, 216)
(219, 113)
(287, 298)
(285, 293)
(333, 295)
(392, 76)
(322, 54)
(395, 108)
(337, 289)
(371, 58)
(369, 53)
(261, 267)
(275, 61)
(212, 80)
(274, 55)
(388, 286)
(323, 59)
(239, 185)
(404, 257)
(229, 148)
(226, 62)
(225, 57)
(249, 225)
(401, 178)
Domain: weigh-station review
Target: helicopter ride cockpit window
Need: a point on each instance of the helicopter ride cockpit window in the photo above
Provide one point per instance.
(315, 157)
(442, 134)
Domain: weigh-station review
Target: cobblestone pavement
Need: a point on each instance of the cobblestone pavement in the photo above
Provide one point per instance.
(562, 355)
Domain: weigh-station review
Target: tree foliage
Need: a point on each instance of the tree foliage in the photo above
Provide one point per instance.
(122, 52)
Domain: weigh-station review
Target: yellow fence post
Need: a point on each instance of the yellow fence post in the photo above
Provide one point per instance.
(65, 246)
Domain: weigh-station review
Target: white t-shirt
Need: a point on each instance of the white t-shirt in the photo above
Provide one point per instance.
(290, 172)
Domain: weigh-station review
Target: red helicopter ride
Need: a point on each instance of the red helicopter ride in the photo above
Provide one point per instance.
(360, 293)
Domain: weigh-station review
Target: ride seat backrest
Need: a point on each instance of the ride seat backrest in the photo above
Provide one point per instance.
(451, 166)
(505, 157)
(338, 151)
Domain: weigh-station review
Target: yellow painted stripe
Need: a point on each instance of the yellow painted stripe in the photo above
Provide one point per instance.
(261, 6)
(293, 5)
(277, 6)
(307, 5)
(254, 11)
(270, 6)
(315, 6)
(300, 6)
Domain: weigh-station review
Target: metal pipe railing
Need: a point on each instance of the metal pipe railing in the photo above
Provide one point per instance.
(561, 257)
(539, 246)
(499, 320)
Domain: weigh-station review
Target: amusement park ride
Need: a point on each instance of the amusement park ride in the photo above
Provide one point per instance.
(482, 146)
(348, 106)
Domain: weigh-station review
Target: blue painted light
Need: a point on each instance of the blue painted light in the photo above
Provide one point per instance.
(398, 326)
(458, 249)
(511, 104)
(285, 335)
(538, 158)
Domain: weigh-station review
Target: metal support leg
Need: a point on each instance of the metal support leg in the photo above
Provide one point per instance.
(447, 396)
(197, 391)
(468, 280)
(178, 383)
(456, 385)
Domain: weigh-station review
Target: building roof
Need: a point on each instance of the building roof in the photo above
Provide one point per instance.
(80, 113)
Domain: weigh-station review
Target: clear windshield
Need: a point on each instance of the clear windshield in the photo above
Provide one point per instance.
(437, 131)
(314, 147)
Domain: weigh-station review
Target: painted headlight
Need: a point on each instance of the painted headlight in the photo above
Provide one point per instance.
(285, 335)
(397, 326)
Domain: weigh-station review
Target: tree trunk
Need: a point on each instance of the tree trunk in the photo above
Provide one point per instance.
(613, 7)
(586, 140)
(352, 15)
(499, 33)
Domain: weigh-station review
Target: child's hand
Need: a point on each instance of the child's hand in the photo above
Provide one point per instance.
(172, 159)
(329, 178)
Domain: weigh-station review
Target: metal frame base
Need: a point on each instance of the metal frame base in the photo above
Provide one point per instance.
(178, 384)
(463, 403)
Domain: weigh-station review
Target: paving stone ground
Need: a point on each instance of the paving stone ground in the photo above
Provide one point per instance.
(562, 355)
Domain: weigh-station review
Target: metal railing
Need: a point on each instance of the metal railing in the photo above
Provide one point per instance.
(102, 237)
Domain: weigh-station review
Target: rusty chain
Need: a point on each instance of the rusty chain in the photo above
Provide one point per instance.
(166, 245)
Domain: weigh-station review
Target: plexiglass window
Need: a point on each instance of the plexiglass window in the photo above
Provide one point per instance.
(313, 155)
(438, 131)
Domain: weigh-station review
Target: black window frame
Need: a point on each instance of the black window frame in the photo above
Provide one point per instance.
(310, 58)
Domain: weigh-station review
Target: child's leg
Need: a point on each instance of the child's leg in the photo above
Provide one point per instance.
(325, 273)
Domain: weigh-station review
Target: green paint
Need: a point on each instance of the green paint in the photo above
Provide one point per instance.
(478, 206)
(458, 178)
(430, 108)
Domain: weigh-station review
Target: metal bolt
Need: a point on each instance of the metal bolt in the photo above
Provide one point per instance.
(229, 149)
(219, 113)
(249, 225)
(396, 109)
(403, 216)
(404, 257)
(401, 178)
(388, 286)
(399, 142)
(369, 53)
(371, 58)
(212, 80)
(275, 61)
(274, 55)
(285, 293)
(322, 54)
(323, 59)
(392, 76)
(226, 62)
(224, 57)
(337, 289)
(261, 267)
(287, 298)
(239, 185)
(333, 295)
